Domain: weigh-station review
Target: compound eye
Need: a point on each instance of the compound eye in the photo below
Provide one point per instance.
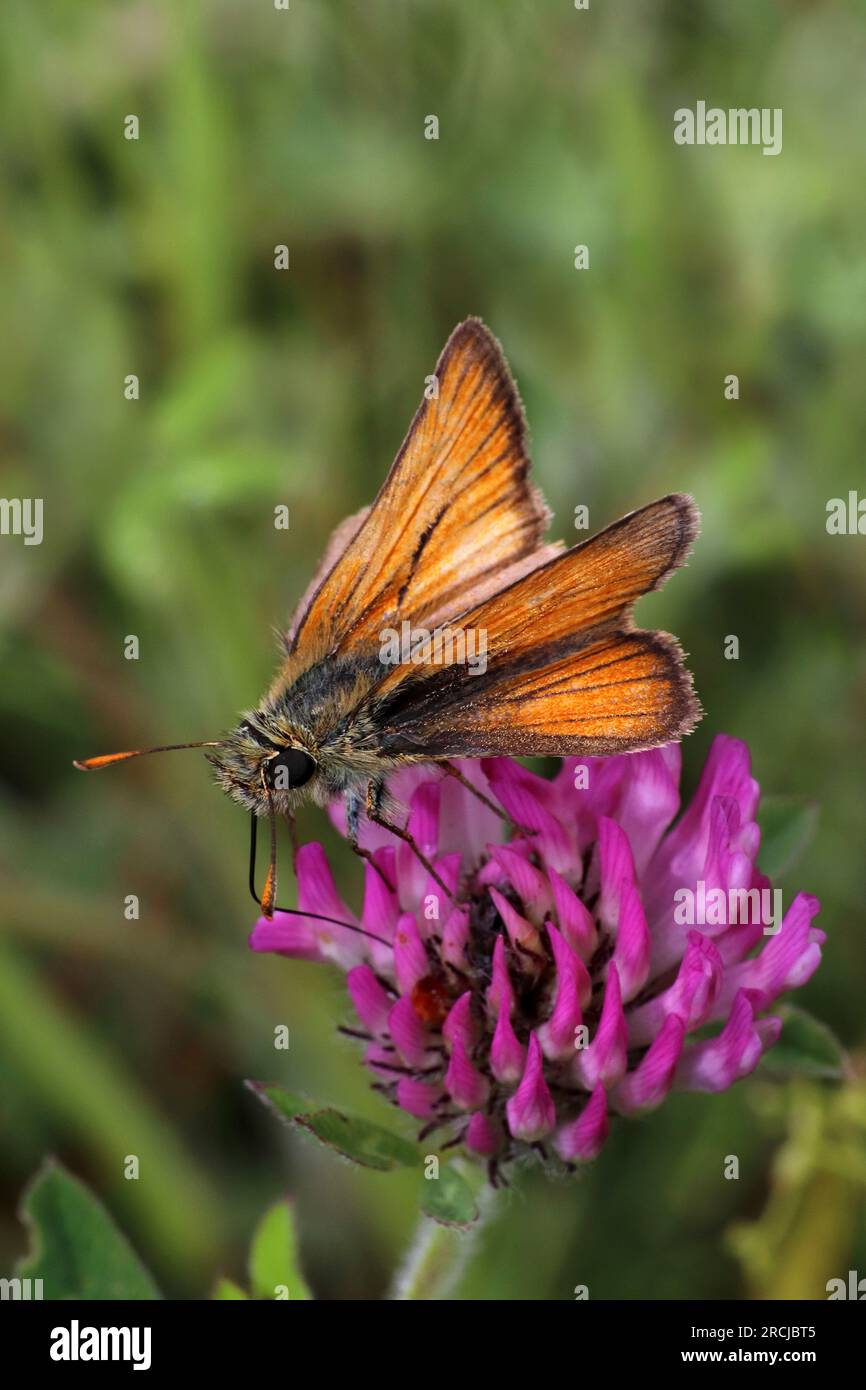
(291, 768)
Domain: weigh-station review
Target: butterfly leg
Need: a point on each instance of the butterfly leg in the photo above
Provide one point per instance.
(464, 781)
(375, 793)
(353, 813)
(293, 836)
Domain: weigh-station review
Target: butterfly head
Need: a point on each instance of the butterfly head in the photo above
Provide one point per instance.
(266, 764)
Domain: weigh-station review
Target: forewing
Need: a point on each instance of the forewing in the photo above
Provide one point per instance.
(456, 514)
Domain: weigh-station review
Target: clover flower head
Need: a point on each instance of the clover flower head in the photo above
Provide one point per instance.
(586, 965)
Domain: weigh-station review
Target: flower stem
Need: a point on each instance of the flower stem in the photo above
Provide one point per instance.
(438, 1254)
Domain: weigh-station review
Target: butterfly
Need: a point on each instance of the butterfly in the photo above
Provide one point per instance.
(453, 552)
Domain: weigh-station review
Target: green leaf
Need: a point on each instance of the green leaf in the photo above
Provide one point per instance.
(805, 1048)
(76, 1249)
(274, 1257)
(227, 1290)
(360, 1141)
(787, 826)
(356, 1139)
(286, 1104)
(448, 1199)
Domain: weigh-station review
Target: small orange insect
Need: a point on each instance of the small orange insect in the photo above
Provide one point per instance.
(456, 537)
(432, 999)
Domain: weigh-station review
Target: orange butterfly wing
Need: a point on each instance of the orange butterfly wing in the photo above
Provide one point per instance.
(455, 518)
(566, 672)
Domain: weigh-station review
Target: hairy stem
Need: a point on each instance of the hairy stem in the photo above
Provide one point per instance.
(438, 1254)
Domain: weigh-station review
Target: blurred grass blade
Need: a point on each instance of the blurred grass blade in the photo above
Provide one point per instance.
(99, 1106)
(227, 1291)
(787, 826)
(274, 1256)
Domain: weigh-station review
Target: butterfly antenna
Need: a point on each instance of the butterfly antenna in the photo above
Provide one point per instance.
(106, 759)
(292, 911)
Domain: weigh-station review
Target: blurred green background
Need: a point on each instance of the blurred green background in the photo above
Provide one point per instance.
(155, 257)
